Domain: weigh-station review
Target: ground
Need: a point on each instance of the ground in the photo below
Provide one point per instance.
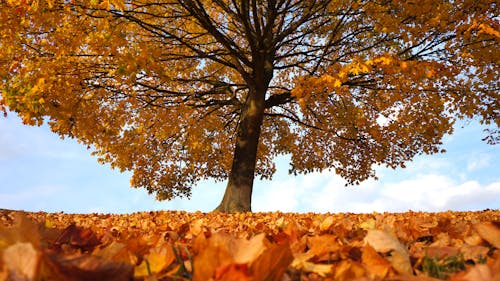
(175, 245)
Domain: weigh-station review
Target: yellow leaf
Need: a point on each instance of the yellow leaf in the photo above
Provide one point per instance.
(384, 242)
(157, 260)
(377, 265)
(348, 270)
(326, 223)
(368, 224)
(21, 260)
(489, 232)
(320, 269)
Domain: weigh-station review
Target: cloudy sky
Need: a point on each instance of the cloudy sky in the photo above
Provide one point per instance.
(41, 172)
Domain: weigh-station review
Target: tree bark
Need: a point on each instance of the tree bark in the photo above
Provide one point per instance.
(238, 194)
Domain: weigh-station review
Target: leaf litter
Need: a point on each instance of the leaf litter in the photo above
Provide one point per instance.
(176, 245)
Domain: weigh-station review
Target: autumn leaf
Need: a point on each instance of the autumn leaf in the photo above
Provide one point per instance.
(232, 272)
(375, 264)
(158, 259)
(489, 231)
(181, 91)
(86, 267)
(326, 223)
(348, 270)
(221, 249)
(243, 247)
(324, 247)
(272, 264)
(384, 242)
(21, 261)
(78, 237)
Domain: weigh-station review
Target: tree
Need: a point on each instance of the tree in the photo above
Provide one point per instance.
(183, 90)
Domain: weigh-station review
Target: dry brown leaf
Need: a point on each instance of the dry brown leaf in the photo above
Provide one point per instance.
(78, 237)
(272, 263)
(209, 256)
(221, 242)
(383, 242)
(326, 223)
(22, 261)
(441, 252)
(232, 272)
(401, 262)
(489, 231)
(115, 251)
(158, 259)
(24, 230)
(247, 251)
(197, 227)
(86, 267)
(348, 270)
(323, 246)
(374, 263)
(221, 249)
(406, 277)
(474, 252)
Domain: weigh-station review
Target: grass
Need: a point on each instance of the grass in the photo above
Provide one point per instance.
(443, 268)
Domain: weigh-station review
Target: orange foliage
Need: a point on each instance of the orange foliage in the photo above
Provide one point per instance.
(243, 247)
(160, 88)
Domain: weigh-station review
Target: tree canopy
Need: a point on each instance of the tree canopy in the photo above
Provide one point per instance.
(183, 90)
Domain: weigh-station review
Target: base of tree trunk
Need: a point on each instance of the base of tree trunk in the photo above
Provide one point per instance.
(237, 199)
(231, 208)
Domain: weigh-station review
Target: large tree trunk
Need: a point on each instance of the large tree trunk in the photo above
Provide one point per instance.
(238, 194)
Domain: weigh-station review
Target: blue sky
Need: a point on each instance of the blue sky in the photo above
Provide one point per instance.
(41, 172)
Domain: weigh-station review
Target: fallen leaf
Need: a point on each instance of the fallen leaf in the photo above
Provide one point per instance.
(23, 230)
(158, 259)
(375, 264)
(401, 262)
(222, 249)
(368, 224)
(326, 223)
(232, 272)
(382, 241)
(272, 263)
(247, 251)
(320, 269)
(78, 237)
(323, 246)
(209, 255)
(474, 253)
(86, 267)
(115, 251)
(441, 252)
(22, 261)
(480, 272)
(197, 227)
(489, 231)
(348, 270)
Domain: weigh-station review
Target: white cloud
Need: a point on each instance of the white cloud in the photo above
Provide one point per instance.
(423, 190)
(478, 161)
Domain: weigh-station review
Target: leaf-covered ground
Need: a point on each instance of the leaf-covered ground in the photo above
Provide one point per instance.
(252, 246)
